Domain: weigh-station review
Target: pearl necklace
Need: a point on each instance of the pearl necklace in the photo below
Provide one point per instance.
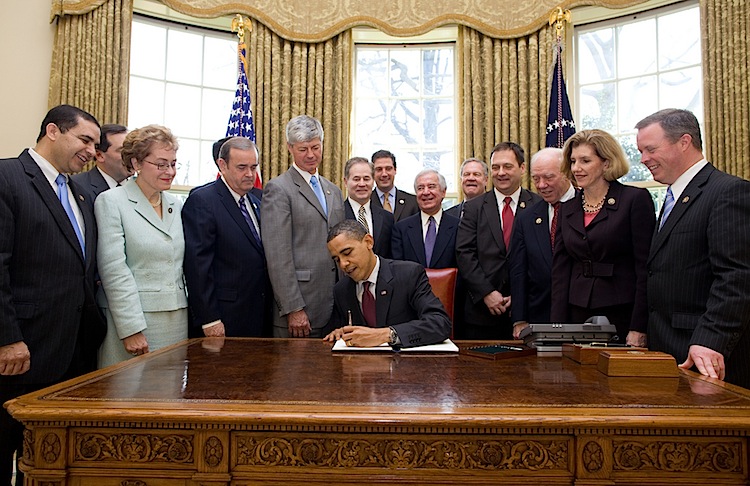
(158, 203)
(591, 208)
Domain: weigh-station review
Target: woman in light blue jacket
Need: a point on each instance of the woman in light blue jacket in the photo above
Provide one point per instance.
(140, 253)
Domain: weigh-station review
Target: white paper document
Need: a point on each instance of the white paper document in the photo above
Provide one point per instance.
(446, 346)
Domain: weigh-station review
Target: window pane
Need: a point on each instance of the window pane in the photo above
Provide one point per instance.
(679, 39)
(598, 106)
(437, 65)
(220, 63)
(638, 171)
(596, 56)
(372, 79)
(637, 99)
(148, 50)
(371, 122)
(404, 72)
(406, 121)
(188, 157)
(636, 48)
(184, 57)
(683, 88)
(216, 106)
(438, 120)
(146, 103)
(183, 110)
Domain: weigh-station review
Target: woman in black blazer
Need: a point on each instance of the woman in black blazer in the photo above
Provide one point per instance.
(602, 240)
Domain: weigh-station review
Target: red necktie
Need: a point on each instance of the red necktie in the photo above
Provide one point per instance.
(368, 306)
(553, 226)
(507, 221)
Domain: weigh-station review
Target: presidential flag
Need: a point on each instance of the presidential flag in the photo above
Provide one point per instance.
(241, 119)
(560, 124)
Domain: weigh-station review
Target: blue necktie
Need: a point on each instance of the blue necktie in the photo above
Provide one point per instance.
(62, 194)
(319, 193)
(668, 205)
(246, 215)
(429, 240)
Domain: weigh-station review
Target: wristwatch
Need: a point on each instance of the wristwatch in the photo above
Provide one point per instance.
(393, 336)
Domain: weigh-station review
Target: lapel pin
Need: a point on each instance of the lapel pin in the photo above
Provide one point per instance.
(401, 201)
(685, 199)
(523, 205)
(538, 221)
(169, 210)
(611, 201)
(80, 197)
(328, 192)
(383, 292)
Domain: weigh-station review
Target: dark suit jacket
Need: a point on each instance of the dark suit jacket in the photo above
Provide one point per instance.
(405, 206)
(91, 183)
(382, 222)
(699, 273)
(530, 265)
(604, 264)
(456, 210)
(408, 243)
(46, 283)
(481, 253)
(404, 300)
(225, 267)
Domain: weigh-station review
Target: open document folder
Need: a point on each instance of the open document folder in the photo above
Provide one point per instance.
(446, 346)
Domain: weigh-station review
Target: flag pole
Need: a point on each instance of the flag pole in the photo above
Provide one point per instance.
(560, 124)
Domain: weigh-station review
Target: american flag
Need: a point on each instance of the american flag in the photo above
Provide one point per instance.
(560, 124)
(241, 119)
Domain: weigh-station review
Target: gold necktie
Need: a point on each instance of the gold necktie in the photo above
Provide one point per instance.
(387, 202)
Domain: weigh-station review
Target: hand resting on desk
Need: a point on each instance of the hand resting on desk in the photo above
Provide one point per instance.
(360, 336)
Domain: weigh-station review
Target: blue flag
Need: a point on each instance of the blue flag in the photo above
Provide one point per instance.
(241, 119)
(560, 124)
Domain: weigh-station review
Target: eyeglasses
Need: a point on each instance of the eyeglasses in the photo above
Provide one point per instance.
(163, 166)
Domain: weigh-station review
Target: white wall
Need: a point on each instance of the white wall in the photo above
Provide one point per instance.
(26, 40)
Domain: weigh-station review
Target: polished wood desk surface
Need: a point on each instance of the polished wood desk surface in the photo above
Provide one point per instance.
(269, 379)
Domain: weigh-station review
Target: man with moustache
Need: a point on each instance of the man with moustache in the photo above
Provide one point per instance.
(382, 300)
(110, 171)
(474, 176)
(50, 326)
(428, 237)
(530, 260)
(482, 245)
(386, 195)
(299, 207)
(229, 293)
(699, 264)
(359, 178)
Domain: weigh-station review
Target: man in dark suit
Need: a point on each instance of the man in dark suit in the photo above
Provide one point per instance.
(50, 326)
(474, 177)
(530, 260)
(386, 195)
(699, 263)
(216, 149)
(110, 171)
(428, 237)
(229, 293)
(482, 245)
(359, 176)
(382, 301)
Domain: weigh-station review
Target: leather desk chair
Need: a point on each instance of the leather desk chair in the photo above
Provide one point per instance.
(443, 282)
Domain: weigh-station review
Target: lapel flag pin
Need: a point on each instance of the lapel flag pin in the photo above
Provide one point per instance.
(538, 221)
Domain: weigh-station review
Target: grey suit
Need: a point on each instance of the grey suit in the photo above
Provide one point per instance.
(294, 229)
(699, 273)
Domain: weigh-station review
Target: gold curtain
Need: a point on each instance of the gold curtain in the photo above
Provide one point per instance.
(504, 89)
(726, 83)
(91, 60)
(293, 78)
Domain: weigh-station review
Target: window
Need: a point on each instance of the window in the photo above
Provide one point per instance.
(183, 78)
(405, 102)
(630, 67)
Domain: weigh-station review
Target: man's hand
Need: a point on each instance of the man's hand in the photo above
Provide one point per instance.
(217, 330)
(496, 303)
(636, 338)
(136, 344)
(360, 336)
(15, 359)
(299, 324)
(518, 327)
(709, 362)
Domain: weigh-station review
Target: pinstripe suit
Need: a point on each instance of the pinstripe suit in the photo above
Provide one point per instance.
(699, 273)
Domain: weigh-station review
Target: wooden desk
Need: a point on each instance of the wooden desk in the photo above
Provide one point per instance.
(262, 412)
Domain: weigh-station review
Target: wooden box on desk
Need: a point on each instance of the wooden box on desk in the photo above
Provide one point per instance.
(587, 354)
(637, 363)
